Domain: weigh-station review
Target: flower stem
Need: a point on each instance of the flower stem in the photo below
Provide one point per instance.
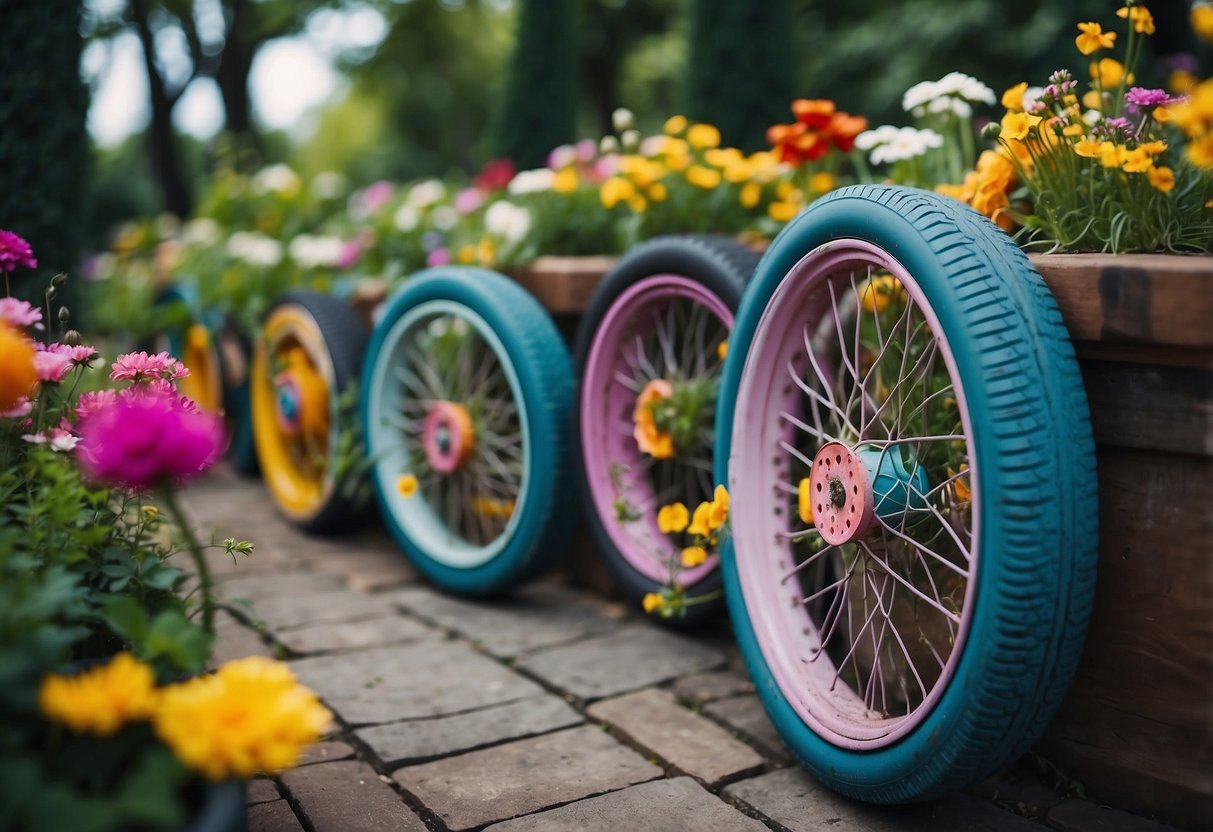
(195, 550)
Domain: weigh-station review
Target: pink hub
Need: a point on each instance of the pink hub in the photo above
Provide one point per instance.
(448, 436)
(841, 494)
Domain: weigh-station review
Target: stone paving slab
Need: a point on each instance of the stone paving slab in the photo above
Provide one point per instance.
(794, 799)
(349, 797)
(744, 714)
(275, 816)
(1084, 816)
(325, 752)
(690, 744)
(253, 587)
(523, 777)
(261, 790)
(633, 657)
(285, 611)
(533, 617)
(656, 806)
(376, 569)
(353, 635)
(428, 679)
(233, 640)
(420, 740)
(708, 687)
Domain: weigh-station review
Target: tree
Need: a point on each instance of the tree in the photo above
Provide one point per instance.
(44, 157)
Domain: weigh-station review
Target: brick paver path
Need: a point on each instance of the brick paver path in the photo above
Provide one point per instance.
(551, 710)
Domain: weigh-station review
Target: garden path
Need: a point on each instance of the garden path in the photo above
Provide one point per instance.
(550, 710)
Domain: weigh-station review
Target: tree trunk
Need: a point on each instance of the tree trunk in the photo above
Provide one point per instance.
(232, 74)
(162, 147)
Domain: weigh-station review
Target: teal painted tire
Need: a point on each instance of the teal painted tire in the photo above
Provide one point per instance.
(1026, 521)
(467, 388)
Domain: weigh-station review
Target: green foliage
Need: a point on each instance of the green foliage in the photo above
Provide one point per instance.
(739, 67)
(44, 157)
(537, 111)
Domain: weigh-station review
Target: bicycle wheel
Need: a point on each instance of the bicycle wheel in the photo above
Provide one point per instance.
(304, 367)
(906, 438)
(657, 324)
(466, 397)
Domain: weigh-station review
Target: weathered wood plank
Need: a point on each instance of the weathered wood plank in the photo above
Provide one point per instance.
(564, 284)
(1150, 407)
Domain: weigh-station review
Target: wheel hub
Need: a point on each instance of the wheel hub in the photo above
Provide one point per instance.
(841, 494)
(286, 396)
(448, 436)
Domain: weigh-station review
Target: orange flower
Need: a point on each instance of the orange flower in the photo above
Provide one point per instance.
(656, 443)
(1140, 17)
(815, 113)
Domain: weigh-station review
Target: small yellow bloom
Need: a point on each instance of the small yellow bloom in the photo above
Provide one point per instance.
(672, 518)
(1075, 129)
(1093, 38)
(150, 511)
(961, 484)
(699, 521)
(651, 602)
(101, 700)
(751, 192)
(823, 182)
(804, 501)
(782, 211)
(616, 190)
(1163, 179)
(1154, 148)
(703, 136)
(1087, 148)
(1200, 151)
(693, 556)
(406, 486)
(1111, 155)
(486, 252)
(1108, 73)
(739, 171)
(678, 162)
(1180, 80)
(674, 125)
(658, 192)
(721, 157)
(467, 254)
(1202, 21)
(1092, 100)
(722, 350)
(637, 203)
(718, 511)
(565, 181)
(703, 177)
(1012, 99)
(656, 443)
(1142, 20)
(878, 292)
(1016, 126)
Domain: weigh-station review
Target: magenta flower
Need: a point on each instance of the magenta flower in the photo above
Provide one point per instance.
(141, 366)
(93, 402)
(438, 257)
(351, 252)
(51, 366)
(468, 200)
(23, 407)
(19, 313)
(14, 252)
(1142, 97)
(81, 354)
(142, 441)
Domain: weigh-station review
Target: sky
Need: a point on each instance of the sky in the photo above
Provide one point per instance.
(290, 79)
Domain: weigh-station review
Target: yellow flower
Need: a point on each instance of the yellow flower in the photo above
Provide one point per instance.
(1108, 73)
(1163, 179)
(1143, 21)
(702, 136)
(101, 700)
(674, 125)
(1136, 161)
(1111, 155)
(1093, 38)
(804, 501)
(721, 157)
(467, 254)
(1015, 126)
(406, 486)
(739, 171)
(18, 373)
(1202, 21)
(651, 602)
(678, 162)
(751, 192)
(658, 192)
(672, 518)
(782, 211)
(565, 181)
(616, 190)
(251, 716)
(693, 556)
(1200, 151)
(821, 183)
(1087, 148)
(961, 484)
(1012, 99)
(722, 350)
(878, 292)
(150, 511)
(656, 443)
(1180, 80)
(1075, 129)
(699, 521)
(486, 252)
(718, 509)
(637, 203)
(1092, 100)
(703, 177)
(1153, 148)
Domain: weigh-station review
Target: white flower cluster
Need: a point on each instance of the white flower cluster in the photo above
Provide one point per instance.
(202, 231)
(420, 196)
(313, 251)
(953, 93)
(276, 179)
(532, 181)
(507, 220)
(255, 248)
(328, 184)
(896, 144)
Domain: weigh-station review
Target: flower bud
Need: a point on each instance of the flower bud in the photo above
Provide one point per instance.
(64, 315)
(59, 279)
(991, 131)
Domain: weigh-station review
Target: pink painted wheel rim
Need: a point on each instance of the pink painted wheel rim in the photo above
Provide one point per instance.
(447, 436)
(906, 589)
(660, 325)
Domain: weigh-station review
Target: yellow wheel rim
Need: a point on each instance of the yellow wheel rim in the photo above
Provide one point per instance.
(204, 384)
(291, 377)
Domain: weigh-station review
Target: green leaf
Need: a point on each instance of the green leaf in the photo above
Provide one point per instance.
(125, 616)
(186, 646)
(152, 793)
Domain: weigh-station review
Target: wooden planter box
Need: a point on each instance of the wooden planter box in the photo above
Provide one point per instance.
(1137, 726)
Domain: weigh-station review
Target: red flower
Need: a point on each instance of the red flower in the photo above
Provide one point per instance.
(495, 175)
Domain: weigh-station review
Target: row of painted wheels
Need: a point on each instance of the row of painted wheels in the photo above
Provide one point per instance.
(889, 394)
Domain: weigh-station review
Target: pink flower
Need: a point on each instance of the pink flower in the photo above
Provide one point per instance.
(51, 366)
(14, 252)
(1142, 97)
(92, 402)
(164, 388)
(140, 366)
(18, 313)
(141, 441)
(438, 257)
(351, 251)
(81, 354)
(59, 439)
(468, 200)
(23, 407)
(587, 149)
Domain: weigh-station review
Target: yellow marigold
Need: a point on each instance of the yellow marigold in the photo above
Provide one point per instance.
(1012, 99)
(823, 182)
(1200, 151)
(1016, 126)
(658, 192)
(1163, 179)
(1111, 155)
(1108, 73)
(638, 203)
(876, 293)
(804, 501)
(721, 157)
(1195, 115)
(616, 190)
(1139, 16)
(674, 125)
(467, 254)
(1092, 38)
(1136, 161)
(751, 192)
(486, 252)
(651, 602)
(703, 177)
(783, 211)
(18, 373)
(678, 162)
(765, 166)
(693, 556)
(406, 486)
(656, 443)
(251, 716)
(699, 521)
(702, 136)
(1154, 148)
(722, 350)
(718, 509)
(738, 171)
(1087, 148)
(101, 700)
(565, 181)
(1202, 21)
(673, 518)
(1075, 129)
